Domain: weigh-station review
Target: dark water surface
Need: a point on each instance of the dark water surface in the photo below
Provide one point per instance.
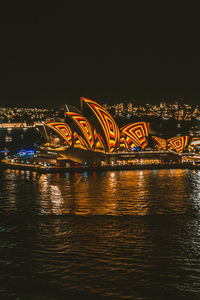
(106, 235)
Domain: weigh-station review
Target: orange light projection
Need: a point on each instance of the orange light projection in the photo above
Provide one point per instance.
(62, 129)
(83, 127)
(78, 141)
(162, 142)
(123, 144)
(103, 122)
(178, 143)
(99, 144)
(128, 142)
(136, 134)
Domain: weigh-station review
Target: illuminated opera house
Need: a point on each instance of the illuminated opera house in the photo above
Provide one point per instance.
(91, 136)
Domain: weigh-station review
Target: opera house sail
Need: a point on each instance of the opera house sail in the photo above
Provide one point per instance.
(161, 142)
(62, 130)
(82, 127)
(178, 143)
(136, 134)
(104, 123)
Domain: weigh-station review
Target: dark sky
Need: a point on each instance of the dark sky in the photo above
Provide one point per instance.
(55, 54)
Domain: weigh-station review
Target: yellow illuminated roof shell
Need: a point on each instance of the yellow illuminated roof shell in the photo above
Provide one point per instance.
(162, 142)
(78, 141)
(99, 144)
(123, 143)
(83, 127)
(103, 122)
(136, 134)
(62, 129)
(178, 143)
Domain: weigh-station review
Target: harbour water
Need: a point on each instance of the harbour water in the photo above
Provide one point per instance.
(98, 235)
(103, 235)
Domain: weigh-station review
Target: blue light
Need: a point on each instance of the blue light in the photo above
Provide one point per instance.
(136, 149)
(5, 151)
(26, 153)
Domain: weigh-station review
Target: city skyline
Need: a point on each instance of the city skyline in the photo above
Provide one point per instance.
(177, 109)
(104, 100)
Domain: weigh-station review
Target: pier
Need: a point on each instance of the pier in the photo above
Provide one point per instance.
(18, 125)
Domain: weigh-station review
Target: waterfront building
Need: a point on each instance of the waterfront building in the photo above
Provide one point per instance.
(91, 135)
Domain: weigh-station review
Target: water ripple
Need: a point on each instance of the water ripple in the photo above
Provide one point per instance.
(114, 235)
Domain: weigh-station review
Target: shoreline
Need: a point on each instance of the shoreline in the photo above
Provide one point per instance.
(81, 169)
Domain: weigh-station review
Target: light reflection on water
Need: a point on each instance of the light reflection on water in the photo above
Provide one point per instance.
(112, 193)
(121, 235)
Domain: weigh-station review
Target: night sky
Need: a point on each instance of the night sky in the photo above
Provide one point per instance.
(54, 55)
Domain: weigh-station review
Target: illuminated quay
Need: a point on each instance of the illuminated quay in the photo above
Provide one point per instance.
(91, 139)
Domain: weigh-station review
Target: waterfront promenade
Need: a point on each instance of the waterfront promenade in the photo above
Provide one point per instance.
(18, 125)
(52, 169)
